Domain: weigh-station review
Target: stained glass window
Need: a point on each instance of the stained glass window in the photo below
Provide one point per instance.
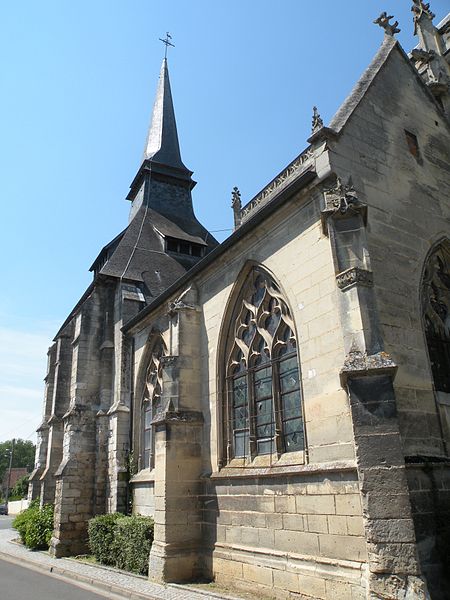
(436, 310)
(151, 404)
(263, 379)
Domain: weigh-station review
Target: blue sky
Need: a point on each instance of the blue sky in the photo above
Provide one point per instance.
(78, 81)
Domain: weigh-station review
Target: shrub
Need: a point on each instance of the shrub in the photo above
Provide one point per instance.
(20, 522)
(101, 532)
(20, 490)
(35, 525)
(122, 542)
(40, 528)
(132, 543)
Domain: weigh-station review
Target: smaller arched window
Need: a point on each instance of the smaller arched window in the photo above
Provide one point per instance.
(436, 310)
(151, 403)
(263, 388)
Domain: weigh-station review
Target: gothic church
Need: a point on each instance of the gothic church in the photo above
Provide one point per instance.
(280, 402)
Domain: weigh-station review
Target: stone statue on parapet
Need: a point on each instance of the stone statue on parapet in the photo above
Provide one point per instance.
(317, 122)
(419, 8)
(236, 205)
(389, 28)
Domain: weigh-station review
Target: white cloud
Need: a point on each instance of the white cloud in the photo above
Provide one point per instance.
(23, 363)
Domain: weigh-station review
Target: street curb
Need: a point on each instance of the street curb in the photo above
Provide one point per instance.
(69, 575)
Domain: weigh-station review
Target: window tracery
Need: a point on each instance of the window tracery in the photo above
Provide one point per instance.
(436, 310)
(151, 403)
(264, 402)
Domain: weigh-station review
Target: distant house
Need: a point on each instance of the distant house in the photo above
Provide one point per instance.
(11, 477)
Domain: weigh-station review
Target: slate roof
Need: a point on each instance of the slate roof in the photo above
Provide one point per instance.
(162, 140)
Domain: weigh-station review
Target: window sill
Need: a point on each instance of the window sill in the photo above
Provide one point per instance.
(269, 460)
(282, 470)
(146, 475)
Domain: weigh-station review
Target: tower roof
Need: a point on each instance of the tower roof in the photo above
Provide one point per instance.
(162, 140)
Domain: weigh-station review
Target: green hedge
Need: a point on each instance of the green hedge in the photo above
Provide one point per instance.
(123, 542)
(101, 537)
(35, 525)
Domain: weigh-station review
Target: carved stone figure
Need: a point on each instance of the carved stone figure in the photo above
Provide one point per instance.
(383, 22)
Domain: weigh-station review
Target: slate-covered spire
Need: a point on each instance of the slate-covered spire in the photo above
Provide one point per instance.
(162, 141)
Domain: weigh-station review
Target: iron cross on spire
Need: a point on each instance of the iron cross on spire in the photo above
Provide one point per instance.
(167, 42)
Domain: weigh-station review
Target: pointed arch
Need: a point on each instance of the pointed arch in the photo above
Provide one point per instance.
(148, 397)
(436, 313)
(435, 303)
(262, 408)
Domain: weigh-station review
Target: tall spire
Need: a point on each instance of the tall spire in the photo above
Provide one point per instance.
(162, 141)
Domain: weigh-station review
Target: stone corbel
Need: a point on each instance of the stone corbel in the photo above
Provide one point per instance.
(341, 201)
(423, 56)
(354, 276)
(168, 361)
(360, 364)
(181, 303)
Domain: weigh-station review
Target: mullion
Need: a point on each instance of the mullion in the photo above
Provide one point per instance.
(147, 436)
(278, 407)
(251, 413)
(298, 413)
(260, 438)
(245, 417)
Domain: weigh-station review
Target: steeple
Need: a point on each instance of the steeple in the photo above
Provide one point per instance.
(161, 161)
(162, 141)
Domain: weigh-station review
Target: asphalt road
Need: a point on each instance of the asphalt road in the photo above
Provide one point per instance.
(20, 583)
(5, 522)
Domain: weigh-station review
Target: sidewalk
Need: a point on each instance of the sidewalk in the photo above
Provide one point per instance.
(116, 582)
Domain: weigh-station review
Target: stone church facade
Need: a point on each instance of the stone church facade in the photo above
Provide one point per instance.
(280, 402)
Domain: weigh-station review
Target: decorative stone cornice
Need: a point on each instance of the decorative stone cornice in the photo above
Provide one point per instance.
(354, 276)
(288, 174)
(341, 200)
(389, 28)
(360, 364)
(179, 416)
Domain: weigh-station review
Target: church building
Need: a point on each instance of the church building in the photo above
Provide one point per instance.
(279, 403)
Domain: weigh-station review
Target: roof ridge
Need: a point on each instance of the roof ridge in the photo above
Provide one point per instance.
(358, 92)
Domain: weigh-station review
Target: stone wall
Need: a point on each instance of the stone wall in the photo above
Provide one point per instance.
(429, 485)
(301, 533)
(288, 527)
(407, 196)
(408, 209)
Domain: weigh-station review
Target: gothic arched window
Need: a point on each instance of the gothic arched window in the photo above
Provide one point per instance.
(436, 310)
(263, 388)
(151, 403)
